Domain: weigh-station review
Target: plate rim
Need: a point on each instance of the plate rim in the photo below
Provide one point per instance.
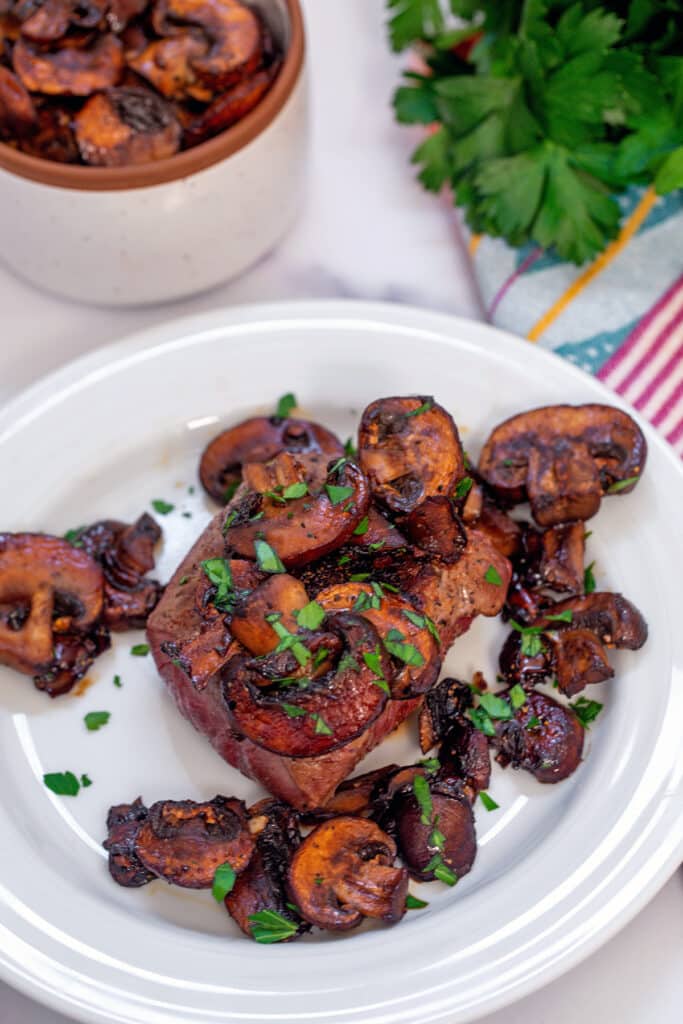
(174, 332)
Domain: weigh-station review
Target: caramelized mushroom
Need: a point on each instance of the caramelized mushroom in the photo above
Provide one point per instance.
(562, 556)
(40, 576)
(281, 595)
(121, 12)
(126, 126)
(17, 113)
(52, 137)
(563, 458)
(377, 535)
(302, 529)
(356, 796)
(544, 737)
(464, 753)
(410, 450)
(299, 720)
(73, 654)
(481, 511)
(167, 64)
(69, 71)
(232, 27)
(123, 824)
(185, 842)
(434, 527)
(343, 871)
(263, 884)
(259, 440)
(229, 108)
(414, 651)
(614, 620)
(579, 660)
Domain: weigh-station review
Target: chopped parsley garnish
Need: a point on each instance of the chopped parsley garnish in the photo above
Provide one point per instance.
(117, 681)
(376, 545)
(565, 616)
(589, 584)
(320, 657)
(229, 520)
(488, 801)
(424, 799)
(218, 572)
(229, 492)
(285, 406)
(183, 580)
(422, 622)
(508, 462)
(223, 881)
(359, 577)
(464, 487)
(267, 926)
(495, 707)
(531, 645)
(517, 697)
(413, 903)
(140, 650)
(73, 537)
(408, 653)
(533, 723)
(268, 560)
(373, 659)
(85, 781)
(481, 721)
(288, 641)
(425, 407)
(586, 710)
(365, 601)
(441, 870)
(62, 783)
(431, 764)
(292, 711)
(338, 493)
(350, 449)
(162, 507)
(346, 662)
(311, 615)
(362, 527)
(293, 491)
(321, 726)
(343, 559)
(94, 720)
(621, 485)
(493, 576)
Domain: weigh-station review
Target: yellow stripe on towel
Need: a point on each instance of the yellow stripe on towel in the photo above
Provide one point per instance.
(475, 242)
(601, 263)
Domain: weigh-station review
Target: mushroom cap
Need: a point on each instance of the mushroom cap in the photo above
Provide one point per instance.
(613, 619)
(123, 824)
(551, 750)
(279, 594)
(71, 70)
(455, 821)
(126, 126)
(343, 871)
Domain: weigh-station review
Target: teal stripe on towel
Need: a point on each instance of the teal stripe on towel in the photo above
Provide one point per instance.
(594, 352)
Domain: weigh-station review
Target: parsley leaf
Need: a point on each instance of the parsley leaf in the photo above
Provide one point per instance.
(292, 711)
(495, 707)
(517, 697)
(285, 406)
(218, 572)
(162, 507)
(621, 485)
(565, 616)
(62, 783)
(414, 19)
(481, 721)
(424, 799)
(311, 615)
(362, 527)
(464, 487)
(413, 903)
(223, 881)
(267, 926)
(407, 653)
(268, 560)
(488, 801)
(493, 576)
(424, 407)
(586, 710)
(94, 720)
(117, 682)
(321, 726)
(140, 650)
(589, 584)
(338, 493)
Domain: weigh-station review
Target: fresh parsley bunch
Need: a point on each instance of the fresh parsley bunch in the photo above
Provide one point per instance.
(545, 110)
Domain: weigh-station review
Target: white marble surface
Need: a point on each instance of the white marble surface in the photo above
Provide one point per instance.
(366, 232)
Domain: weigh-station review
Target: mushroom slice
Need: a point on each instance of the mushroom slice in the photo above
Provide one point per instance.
(52, 137)
(69, 71)
(544, 737)
(434, 527)
(434, 828)
(126, 126)
(37, 572)
(404, 634)
(562, 556)
(185, 842)
(444, 705)
(263, 884)
(356, 796)
(233, 29)
(73, 654)
(299, 720)
(615, 621)
(564, 458)
(464, 752)
(410, 450)
(518, 666)
(166, 64)
(300, 529)
(123, 824)
(229, 108)
(280, 595)
(579, 660)
(378, 534)
(344, 871)
(17, 112)
(259, 440)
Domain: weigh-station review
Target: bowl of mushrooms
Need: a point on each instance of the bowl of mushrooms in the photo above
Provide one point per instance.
(149, 149)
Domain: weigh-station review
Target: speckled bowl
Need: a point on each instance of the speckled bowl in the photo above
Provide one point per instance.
(164, 230)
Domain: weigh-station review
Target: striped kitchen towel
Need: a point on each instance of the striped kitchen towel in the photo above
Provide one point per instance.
(620, 318)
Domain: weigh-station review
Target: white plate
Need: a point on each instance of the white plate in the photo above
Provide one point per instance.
(559, 869)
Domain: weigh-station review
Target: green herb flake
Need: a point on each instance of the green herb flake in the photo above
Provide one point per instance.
(362, 527)
(94, 720)
(621, 485)
(267, 926)
(294, 491)
(586, 710)
(223, 881)
(291, 710)
(344, 559)
(533, 723)
(229, 520)
(565, 616)
(495, 707)
(320, 657)
(517, 697)
(140, 650)
(424, 799)
(183, 580)
(425, 407)
(268, 560)
(117, 682)
(406, 653)
(363, 602)
(229, 492)
(288, 641)
(285, 406)
(162, 507)
(62, 783)
(218, 573)
(73, 537)
(589, 584)
(373, 660)
(85, 781)
(493, 576)
(376, 545)
(413, 903)
(359, 577)
(348, 662)
(481, 721)
(488, 801)
(431, 764)
(338, 493)
(441, 870)
(321, 726)
(464, 487)
(350, 450)
(311, 615)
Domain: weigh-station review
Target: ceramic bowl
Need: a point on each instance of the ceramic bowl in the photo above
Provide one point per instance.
(165, 230)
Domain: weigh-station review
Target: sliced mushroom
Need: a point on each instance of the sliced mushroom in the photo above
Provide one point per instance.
(230, 107)
(413, 649)
(444, 705)
(37, 572)
(52, 137)
(480, 510)
(418, 834)
(126, 126)
(410, 450)
(259, 440)
(299, 720)
(303, 529)
(562, 557)
(464, 752)
(615, 621)
(233, 29)
(69, 71)
(17, 112)
(278, 595)
(356, 796)
(579, 660)
(544, 737)
(435, 528)
(344, 871)
(263, 884)
(123, 824)
(167, 65)
(564, 458)
(377, 535)
(73, 654)
(185, 842)
(516, 666)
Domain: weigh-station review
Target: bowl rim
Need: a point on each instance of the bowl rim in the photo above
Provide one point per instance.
(185, 163)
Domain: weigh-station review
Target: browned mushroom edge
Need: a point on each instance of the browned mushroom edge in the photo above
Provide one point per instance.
(543, 736)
